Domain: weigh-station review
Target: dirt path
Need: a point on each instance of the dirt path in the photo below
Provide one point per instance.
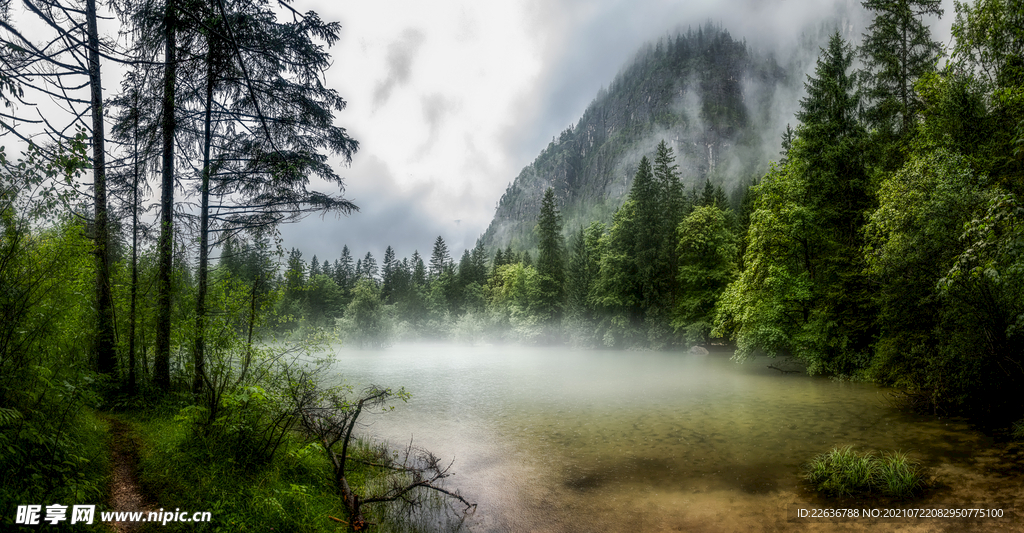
(126, 492)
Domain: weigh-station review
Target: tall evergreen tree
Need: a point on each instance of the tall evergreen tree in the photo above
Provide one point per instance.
(499, 260)
(479, 261)
(388, 272)
(803, 289)
(419, 271)
(582, 271)
(344, 270)
(439, 259)
(632, 279)
(897, 50)
(295, 274)
(828, 149)
(369, 265)
(550, 259)
(165, 245)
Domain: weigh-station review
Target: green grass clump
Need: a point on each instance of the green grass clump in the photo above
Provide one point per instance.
(897, 476)
(1018, 429)
(844, 472)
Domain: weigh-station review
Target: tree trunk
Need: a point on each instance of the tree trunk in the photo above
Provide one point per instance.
(132, 380)
(165, 247)
(199, 357)
(106, 358)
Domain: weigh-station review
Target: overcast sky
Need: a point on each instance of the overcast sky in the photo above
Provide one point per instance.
(450, 99)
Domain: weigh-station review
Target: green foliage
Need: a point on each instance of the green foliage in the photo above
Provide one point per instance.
(515, 294)
(635, 282)
(323, 299)
(707, 263)
(803, 290)
(52, 441)
(48, 436)
(983, 312)
(844, 472)
(291, 493)
(988, 34)
(898, 50)
(365, 323)
(913, 237)
(550, 260)
(769, 304)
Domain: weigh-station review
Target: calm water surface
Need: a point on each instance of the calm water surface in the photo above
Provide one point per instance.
(553, 439)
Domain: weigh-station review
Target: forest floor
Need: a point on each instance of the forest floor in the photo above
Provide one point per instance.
(126, 493)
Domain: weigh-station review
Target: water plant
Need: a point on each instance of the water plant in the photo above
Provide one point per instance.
(897, 476)
(842, 471)
(845, 472)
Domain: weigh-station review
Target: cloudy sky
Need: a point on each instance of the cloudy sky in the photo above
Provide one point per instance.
(450, 99)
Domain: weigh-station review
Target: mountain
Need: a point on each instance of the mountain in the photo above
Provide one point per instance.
(713, 99)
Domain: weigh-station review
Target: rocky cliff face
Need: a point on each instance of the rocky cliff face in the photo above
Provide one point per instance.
(710, 97)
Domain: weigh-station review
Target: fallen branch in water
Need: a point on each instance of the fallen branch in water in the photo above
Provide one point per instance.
(329, 415)
(773, 367)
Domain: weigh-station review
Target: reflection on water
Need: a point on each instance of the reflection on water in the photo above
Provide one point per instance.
(552, 439)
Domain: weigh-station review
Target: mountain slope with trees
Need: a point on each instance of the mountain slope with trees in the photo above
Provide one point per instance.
(705, 93)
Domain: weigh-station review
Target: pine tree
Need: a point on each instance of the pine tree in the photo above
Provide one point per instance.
(479, 261)
(828, 150)
(370, 267)
(667, 173)
(344, 271)
(388, 273)
(803, 288)
(550, 259)
(419, 271)
(632, 279)
(439, 258)
(897, 51)
(295, 275)
(707, 197)
(582, 270)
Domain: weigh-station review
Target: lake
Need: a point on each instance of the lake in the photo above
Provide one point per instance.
(569, 440)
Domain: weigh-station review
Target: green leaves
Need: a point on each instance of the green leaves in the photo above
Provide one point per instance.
(707, 263)
(770, 301)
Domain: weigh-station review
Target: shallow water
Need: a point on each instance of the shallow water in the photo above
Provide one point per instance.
(548, 439)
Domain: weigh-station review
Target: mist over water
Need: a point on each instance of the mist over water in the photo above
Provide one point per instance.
(553, 439)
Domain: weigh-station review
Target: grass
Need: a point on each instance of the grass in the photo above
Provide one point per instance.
(290, 493)
(293, 492)
(1018, 429)
(845, 472)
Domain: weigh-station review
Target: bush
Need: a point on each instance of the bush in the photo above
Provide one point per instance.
(844, 472)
